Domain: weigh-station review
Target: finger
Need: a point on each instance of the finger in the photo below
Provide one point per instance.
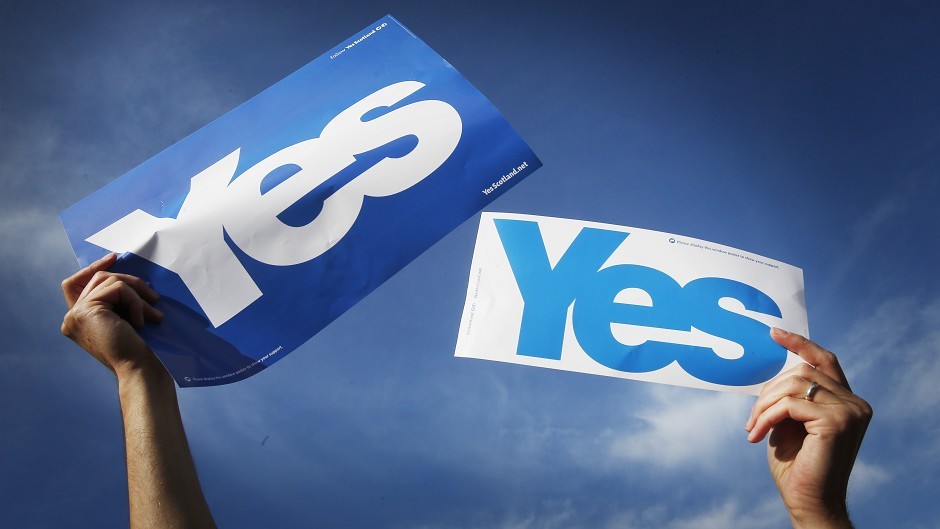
(107, 293)
(808, 373)
(73, 285)
(788, 407)
(152, 313)
(822, 359)
(793, 383)
(121, 299)
(143, 289)
(135, 305)
(99, 279)
(785, 386)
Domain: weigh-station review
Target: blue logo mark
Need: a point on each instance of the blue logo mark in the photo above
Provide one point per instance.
(578, 279)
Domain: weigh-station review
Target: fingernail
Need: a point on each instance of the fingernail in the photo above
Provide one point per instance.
(159, 313)
(776, 331)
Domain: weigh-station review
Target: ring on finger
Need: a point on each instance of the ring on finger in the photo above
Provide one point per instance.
(811, 392)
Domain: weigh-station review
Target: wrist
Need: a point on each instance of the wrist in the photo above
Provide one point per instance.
(834, 517)
(147, 372)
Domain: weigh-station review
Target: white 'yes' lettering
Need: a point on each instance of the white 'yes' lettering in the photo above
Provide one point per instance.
(217, 280)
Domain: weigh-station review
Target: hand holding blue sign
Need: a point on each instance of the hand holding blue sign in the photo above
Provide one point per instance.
(105, 311)
(816, 425)
(267, 224)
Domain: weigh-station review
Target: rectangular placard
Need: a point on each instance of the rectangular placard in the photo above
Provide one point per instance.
(628, 303)
(264, 226)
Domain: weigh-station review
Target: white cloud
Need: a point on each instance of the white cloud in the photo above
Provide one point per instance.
(867, 478)
(894, 352)
(765, 514)
(921, 392)
(31, 236)
(685, 429)
(559, 515)
(760, 513)
(563, 516)
(891, 210)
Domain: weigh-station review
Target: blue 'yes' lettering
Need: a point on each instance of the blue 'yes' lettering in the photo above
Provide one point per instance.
(577, 278)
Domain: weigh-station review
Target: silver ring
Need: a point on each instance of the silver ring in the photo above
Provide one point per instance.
(811, 392)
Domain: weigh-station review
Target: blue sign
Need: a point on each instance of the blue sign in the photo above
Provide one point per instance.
(264, 226)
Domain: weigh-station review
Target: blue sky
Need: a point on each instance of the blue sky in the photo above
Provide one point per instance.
(809, 134)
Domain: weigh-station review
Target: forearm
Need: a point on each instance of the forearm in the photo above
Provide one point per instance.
(163, 487)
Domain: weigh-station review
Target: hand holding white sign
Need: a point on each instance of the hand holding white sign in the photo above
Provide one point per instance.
(816, 425)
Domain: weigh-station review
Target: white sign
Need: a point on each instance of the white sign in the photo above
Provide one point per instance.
(628, 303)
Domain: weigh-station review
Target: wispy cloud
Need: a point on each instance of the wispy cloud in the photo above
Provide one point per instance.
(895, 366)
(562, 515)
(684, 429)
(102, 111)
(864, 236)
(897, 345)
(765, 514)
(31, 236)
(867, 478)
(750, 513)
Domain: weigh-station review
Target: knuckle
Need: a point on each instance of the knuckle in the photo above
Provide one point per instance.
(829, 358)
(806, 371)
(863, 409)
(117, 284)
(798, 381)
(842, 421)
(68, 324)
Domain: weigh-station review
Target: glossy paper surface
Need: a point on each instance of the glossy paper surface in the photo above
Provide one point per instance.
(261, 228)
(628, 303)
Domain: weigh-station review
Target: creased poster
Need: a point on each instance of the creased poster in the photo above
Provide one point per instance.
(264, 226)
(628, 303)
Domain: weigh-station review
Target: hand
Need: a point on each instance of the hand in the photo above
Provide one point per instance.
(105, 309)
(814, 437)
